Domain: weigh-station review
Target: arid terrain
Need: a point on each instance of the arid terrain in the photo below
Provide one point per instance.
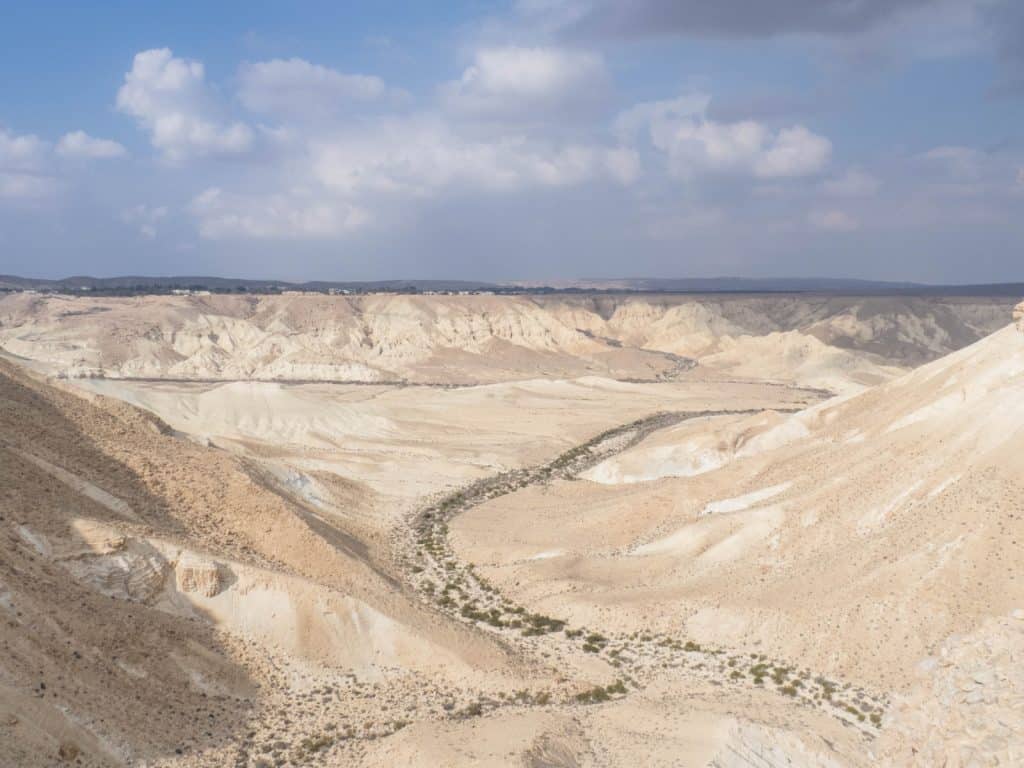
(550, 531)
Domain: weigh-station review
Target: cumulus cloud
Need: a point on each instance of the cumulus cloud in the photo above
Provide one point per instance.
(23, 175)
(793, 151)
(171, 100)
(21, 152)
(295, 87)
(509, 79)
(421, 156)
(81, 144)
(295, 215)
(650, 115)
(694, 144)
(833, 221)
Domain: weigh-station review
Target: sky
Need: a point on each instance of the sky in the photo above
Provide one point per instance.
(520, 140)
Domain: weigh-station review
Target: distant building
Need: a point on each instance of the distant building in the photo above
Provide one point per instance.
(189, 292)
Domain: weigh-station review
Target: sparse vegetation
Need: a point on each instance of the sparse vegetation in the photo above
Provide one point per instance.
(470, 597)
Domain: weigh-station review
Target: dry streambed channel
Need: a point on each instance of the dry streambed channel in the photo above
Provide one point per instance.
(638, 658)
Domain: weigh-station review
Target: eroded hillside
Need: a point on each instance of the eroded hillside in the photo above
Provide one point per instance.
(160, 601)
(830, 342)
(714, 564)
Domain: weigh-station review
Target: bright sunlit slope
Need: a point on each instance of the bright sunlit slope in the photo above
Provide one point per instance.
(839, 343)
(853, 537)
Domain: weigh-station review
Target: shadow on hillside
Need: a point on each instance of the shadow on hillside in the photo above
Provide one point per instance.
(164, 685)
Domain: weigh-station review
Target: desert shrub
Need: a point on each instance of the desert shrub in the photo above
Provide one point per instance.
(593, 696)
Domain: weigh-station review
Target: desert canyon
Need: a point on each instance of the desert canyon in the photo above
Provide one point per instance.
(551, 531)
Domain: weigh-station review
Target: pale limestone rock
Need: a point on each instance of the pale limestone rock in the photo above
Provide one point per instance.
(196, 574)
(134, 574)
(969, 711)
(1018, 316)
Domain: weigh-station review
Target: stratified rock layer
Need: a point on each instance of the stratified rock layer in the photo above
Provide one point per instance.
(197, 575)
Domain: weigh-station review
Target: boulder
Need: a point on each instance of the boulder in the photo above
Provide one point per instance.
(197, 574)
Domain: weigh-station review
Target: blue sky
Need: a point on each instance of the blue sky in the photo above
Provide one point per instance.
(514, 140)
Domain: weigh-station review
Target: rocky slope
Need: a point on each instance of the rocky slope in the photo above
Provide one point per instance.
(158, 600)
(968, 705)
(819, 341)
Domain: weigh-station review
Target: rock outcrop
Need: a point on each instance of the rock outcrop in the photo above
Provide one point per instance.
(1018, 316)
(481, 339)
(195, 574)
(134, 572)
(969, 708)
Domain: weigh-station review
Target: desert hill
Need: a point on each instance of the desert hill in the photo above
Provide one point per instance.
(154, 591)
(832, 342)
(855, 537)
(542, 535)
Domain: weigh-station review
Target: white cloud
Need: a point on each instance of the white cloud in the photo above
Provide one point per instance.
(423, 155)
(650, 115)
(296, 215)
(833, 221)
(170, 99)
(510, 79)
(793, 152)
(24, 152)
(81, 144)
(296, 87)
(338, 184)
(145, 218)
(22, 168)
(854, 183)
(693, 144)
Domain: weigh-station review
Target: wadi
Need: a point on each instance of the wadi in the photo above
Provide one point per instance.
(552, 530)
